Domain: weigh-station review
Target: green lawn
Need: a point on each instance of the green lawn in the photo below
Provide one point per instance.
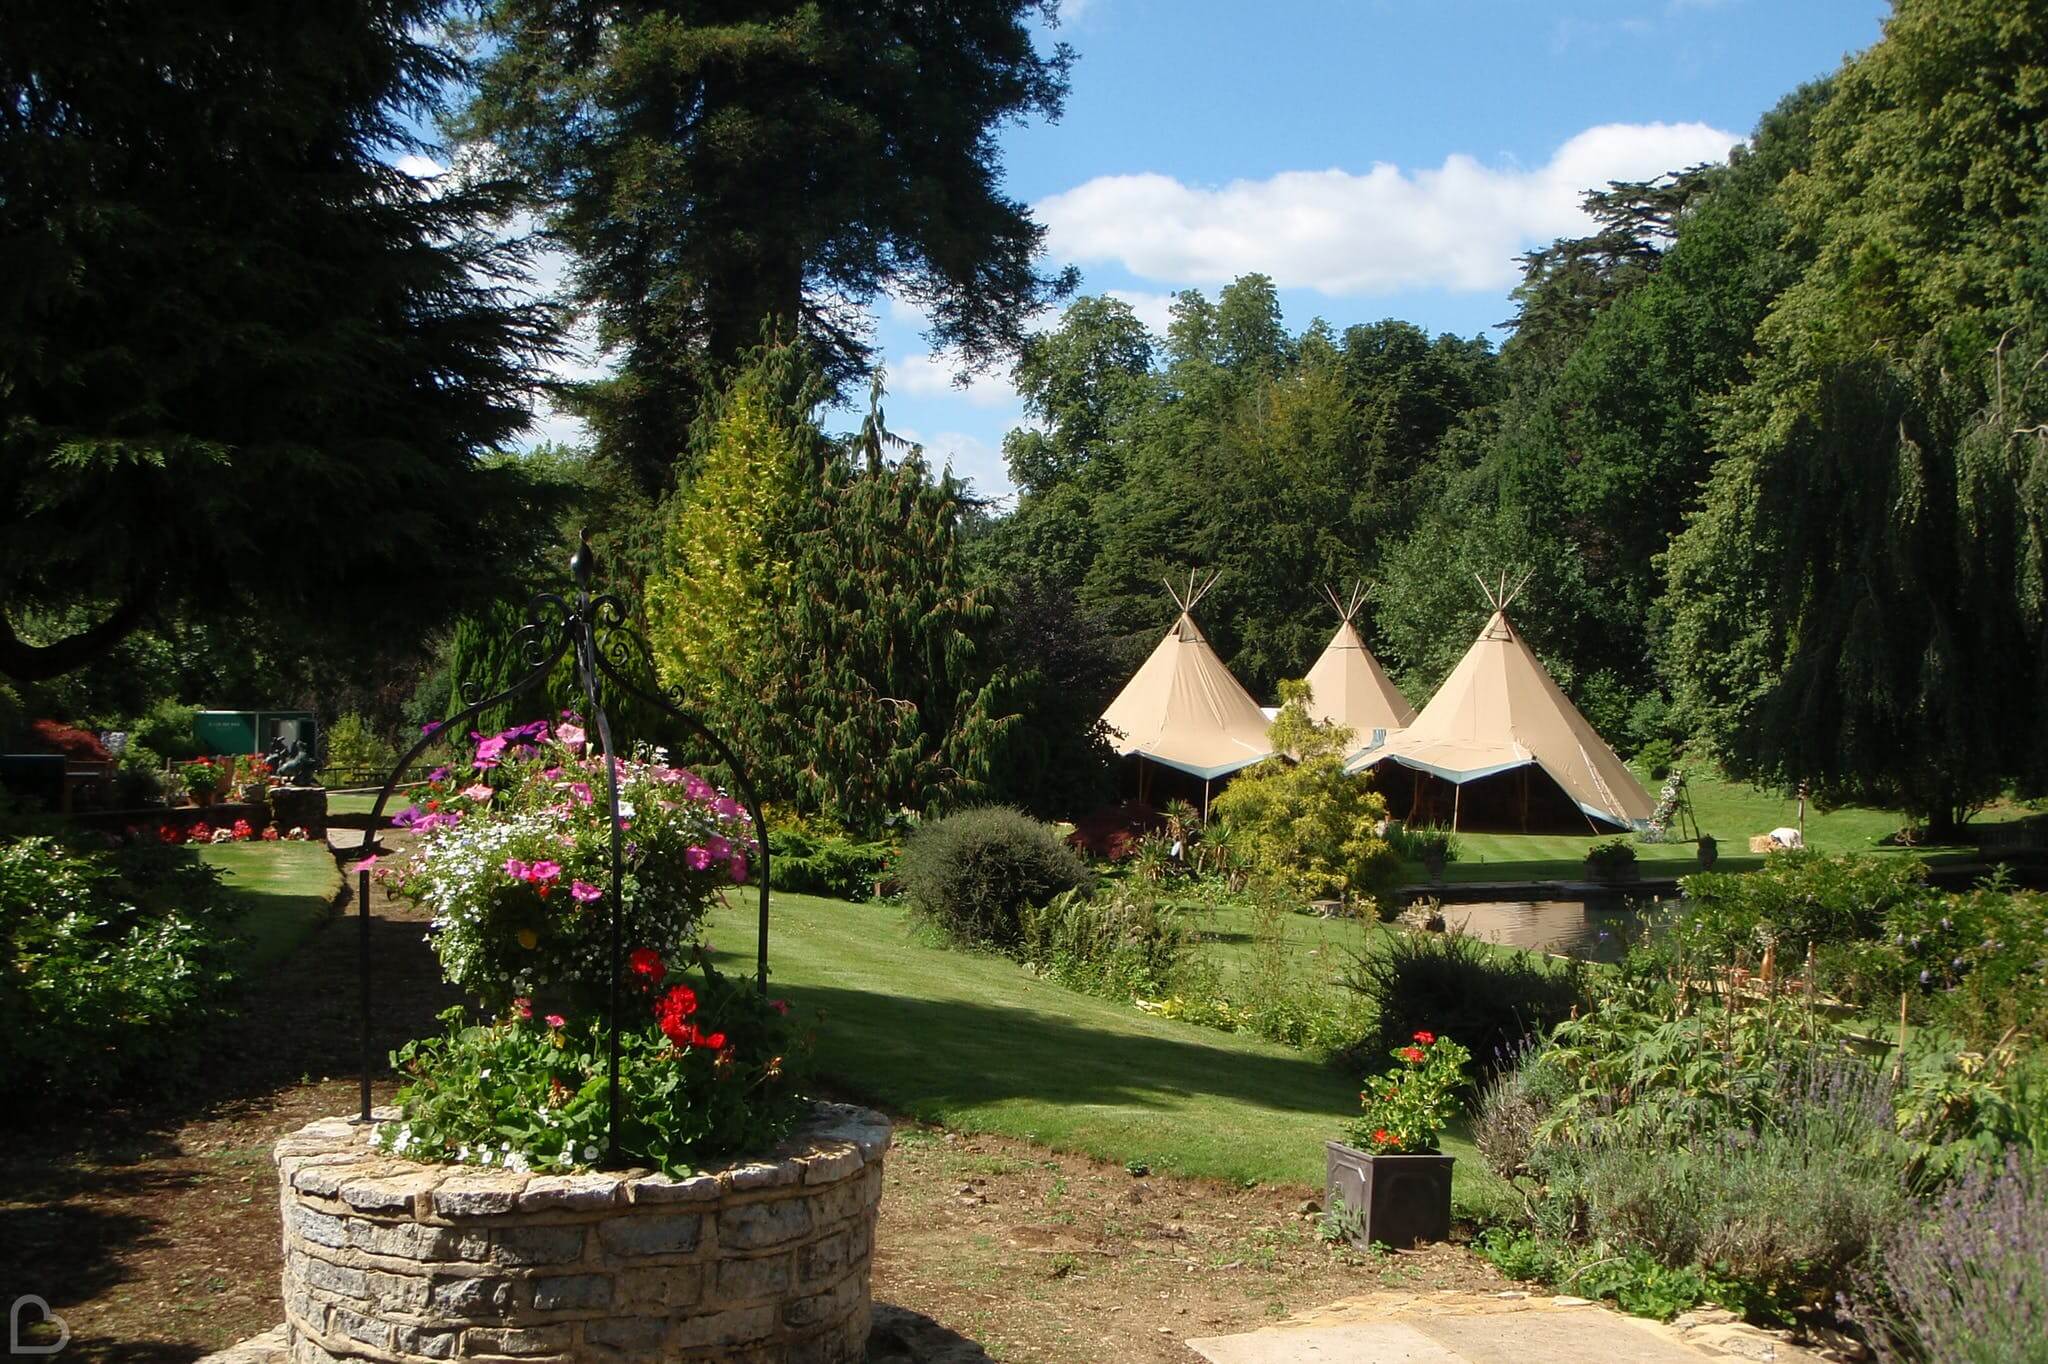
(286, 890)
(977, 1044)
(1730, 811)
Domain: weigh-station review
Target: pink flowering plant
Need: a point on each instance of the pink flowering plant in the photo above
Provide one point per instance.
(512, 855)
(1406, 1109)
(513, 859)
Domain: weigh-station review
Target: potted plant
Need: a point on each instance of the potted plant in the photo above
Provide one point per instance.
(1710, 852)
(201, 779)
(1614, 860)
(255, 780)
(1390, 1185)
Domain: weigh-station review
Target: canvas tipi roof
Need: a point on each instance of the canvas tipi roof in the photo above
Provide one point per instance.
(1348, 687)
(1500, 710)
(1184, 709)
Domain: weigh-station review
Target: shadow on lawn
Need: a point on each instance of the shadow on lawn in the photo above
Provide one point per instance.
(921, 1054)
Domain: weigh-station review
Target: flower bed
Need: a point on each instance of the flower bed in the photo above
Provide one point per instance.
(763, 1260)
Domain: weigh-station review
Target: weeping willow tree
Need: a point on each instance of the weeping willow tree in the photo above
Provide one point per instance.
(1859, 601)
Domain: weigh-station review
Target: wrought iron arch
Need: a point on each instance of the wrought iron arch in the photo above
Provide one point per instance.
(595, 631)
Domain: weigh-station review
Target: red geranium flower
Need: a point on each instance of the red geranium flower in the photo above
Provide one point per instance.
(1425, 1038)
(645, 961)
(523, 1007)
(1414, 1054)
(1383, 1137)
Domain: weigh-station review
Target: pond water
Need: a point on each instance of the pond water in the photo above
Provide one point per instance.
(1591, 930)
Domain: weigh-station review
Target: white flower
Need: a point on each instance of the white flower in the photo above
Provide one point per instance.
(590, 1153)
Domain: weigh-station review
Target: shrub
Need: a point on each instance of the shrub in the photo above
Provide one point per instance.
(168, 729)
(1118, 943)
(971, 874)
(1423, 842)
(1656, 758)
(108, 961)
(354, 750)
(1729, 1147)
(1610, 858)
(1454, 984)
(1307, 823)
(808, 863)
(1968, 1281)
(1975, 964)
(1798, 899)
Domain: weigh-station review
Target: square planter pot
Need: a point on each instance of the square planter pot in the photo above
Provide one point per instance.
(1399, 1201)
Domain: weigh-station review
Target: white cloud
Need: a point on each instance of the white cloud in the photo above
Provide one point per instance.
(1458, 226)
(1154, 310)
(420, 167)
(931, 376)
(971, 457)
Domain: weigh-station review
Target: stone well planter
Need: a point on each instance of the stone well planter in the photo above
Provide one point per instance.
(393, 1262)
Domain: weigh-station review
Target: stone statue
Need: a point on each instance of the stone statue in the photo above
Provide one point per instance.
(297, 767)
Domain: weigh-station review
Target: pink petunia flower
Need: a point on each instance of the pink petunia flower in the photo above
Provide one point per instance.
(725, 807)
(516, 869)
(478, 791)
(555, 1020)
(544, 871)
(580, 790)
(739, 869)
(697, 858)
(583, 892)
(572, 735)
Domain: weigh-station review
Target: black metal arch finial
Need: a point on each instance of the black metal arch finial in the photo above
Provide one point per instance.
(556, 628)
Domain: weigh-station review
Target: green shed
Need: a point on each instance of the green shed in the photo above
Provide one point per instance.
(223, 732)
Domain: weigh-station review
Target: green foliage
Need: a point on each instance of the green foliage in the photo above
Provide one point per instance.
(110, 963)
(810, 863)
(1798, 899)
(1739, 1154)
(354, 747)
(1118, 942)
(1407, 1109)
(731, 534)
(1455, 985)
(1611, 858)
(168, 729)
(1307, 823)
(262, 323)
(1425, 843)
(713, 172)
(1859, 601)
(527, 1093)
(854, 675)
(972, 874)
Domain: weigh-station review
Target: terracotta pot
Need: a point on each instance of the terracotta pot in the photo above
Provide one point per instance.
(1398, 1201)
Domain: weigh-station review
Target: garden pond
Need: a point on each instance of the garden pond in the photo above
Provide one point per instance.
(1599, 929)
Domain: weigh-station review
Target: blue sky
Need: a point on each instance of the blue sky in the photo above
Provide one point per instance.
(1378, 158)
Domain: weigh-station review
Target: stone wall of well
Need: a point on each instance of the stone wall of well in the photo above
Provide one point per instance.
(393, 1262)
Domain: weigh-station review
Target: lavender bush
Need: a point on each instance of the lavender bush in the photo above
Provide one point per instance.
(1968, 1282)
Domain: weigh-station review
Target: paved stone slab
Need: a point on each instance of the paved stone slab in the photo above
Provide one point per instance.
(1490, 1333)
(1371, 1342)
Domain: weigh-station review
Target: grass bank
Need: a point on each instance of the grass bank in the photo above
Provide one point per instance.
(977, 1044)
(1728, 811)
(285, 890)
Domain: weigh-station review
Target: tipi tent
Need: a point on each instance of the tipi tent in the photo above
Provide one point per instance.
(1348, 687)
(1496, 728)
(1184, 709)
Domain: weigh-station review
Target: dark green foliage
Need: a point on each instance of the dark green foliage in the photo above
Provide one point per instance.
(971, 875)
(1860, 601)
(1455, 985)
(1797, 900)
(232, 326)
(826, 864)
(766, 162)
(109, 963)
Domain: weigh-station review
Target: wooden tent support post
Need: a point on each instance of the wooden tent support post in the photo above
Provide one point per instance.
(1457, 800)
(1205, 800)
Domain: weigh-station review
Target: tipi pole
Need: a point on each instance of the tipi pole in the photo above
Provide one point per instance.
(1205, 800)
(1457, 800)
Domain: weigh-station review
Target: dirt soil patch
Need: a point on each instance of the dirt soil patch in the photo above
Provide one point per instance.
(150, 1225)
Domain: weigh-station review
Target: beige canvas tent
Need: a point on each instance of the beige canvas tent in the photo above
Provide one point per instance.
(1492, 734)
(1183, 708)
(1348, 687)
